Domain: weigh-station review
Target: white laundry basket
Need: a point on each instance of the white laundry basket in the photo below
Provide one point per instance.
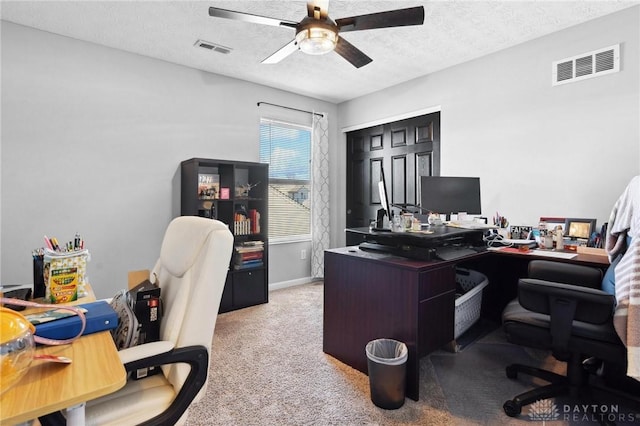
(467, 310)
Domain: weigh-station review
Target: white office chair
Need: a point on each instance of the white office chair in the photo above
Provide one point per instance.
(192, 269)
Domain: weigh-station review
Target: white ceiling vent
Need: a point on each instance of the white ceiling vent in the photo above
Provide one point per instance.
(587, 65)
(213, 47)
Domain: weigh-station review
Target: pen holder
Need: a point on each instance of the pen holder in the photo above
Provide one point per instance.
(38, 276)
(65, 275)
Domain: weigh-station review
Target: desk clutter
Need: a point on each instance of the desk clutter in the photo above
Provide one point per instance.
(139, 312)
(58, 325)
(552, 233)
(464, 235)
(248, 254)
(59, 270)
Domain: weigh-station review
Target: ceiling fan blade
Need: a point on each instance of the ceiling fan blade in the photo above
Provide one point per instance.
(391, 18)
(318, 9)
(247, 17)
(351, 53)
(282, 53)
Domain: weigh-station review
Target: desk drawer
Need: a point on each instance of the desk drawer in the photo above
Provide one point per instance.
(436, 282)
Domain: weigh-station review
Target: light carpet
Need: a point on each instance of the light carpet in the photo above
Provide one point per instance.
(268, 368)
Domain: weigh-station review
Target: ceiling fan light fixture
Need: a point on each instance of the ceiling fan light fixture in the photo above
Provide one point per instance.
(317, 40)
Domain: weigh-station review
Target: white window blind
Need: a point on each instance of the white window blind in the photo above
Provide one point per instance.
(286, 148)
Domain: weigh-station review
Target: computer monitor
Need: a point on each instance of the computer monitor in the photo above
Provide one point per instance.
(382, 189)
(450, 194)
(384, 201)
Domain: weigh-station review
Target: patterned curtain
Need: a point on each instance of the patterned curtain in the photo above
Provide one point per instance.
(319, 194)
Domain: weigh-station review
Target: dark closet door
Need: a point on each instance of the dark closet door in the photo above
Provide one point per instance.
(405, 150)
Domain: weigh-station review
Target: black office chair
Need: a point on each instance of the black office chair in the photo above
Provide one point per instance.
(560, 307)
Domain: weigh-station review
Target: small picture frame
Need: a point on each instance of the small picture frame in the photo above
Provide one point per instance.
(521, 232)
(579, 229)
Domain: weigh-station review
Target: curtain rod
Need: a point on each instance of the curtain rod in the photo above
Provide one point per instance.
(293, 109)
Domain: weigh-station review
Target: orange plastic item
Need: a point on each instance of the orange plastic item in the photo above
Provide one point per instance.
(18, 347)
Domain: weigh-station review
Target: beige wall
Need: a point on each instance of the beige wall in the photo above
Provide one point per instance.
(92, 140)
(539, 150)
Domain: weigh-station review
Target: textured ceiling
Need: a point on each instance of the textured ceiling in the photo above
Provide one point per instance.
(454, 32)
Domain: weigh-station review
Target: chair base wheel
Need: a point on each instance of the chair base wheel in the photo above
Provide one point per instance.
(512, 408)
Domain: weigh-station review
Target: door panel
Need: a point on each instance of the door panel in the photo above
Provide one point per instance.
(405, 150)
(374, 178)
(398, 180)
(398, 137)
(423, 168)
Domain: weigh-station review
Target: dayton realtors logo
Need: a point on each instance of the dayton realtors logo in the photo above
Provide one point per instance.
(545, 410)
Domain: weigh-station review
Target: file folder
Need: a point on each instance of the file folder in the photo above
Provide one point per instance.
(100, 316)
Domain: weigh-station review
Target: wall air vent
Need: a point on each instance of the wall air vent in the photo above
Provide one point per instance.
(587, 65)
(213, 47)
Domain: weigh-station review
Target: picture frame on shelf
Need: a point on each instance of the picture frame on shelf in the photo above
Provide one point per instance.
(208, 186)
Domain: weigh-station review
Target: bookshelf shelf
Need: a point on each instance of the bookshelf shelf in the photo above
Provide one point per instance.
(236, 193)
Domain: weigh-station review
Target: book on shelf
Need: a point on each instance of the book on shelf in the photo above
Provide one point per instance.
(208, 186)
(247, 246)
(252, 243)
(250, 255)
(242, 227)
(254, 216)
(249, 249)
(249, 264)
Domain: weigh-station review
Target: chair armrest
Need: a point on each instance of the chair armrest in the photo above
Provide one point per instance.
(144, 351)
(198, 359)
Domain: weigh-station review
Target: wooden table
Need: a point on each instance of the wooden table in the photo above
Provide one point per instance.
(47, 387)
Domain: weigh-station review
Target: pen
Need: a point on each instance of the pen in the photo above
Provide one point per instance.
(47, 242)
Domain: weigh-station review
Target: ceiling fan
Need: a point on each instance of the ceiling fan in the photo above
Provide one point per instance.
(317, 33)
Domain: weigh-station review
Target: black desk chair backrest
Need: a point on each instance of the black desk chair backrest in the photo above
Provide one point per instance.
(566, 273)
(566, 293)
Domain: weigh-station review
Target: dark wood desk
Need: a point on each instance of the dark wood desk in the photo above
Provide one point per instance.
(505, 268)
(370, 295)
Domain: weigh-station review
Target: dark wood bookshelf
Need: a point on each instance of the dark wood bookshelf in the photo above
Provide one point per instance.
(236, 193)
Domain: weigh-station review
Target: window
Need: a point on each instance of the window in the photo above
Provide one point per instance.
(287, 149)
